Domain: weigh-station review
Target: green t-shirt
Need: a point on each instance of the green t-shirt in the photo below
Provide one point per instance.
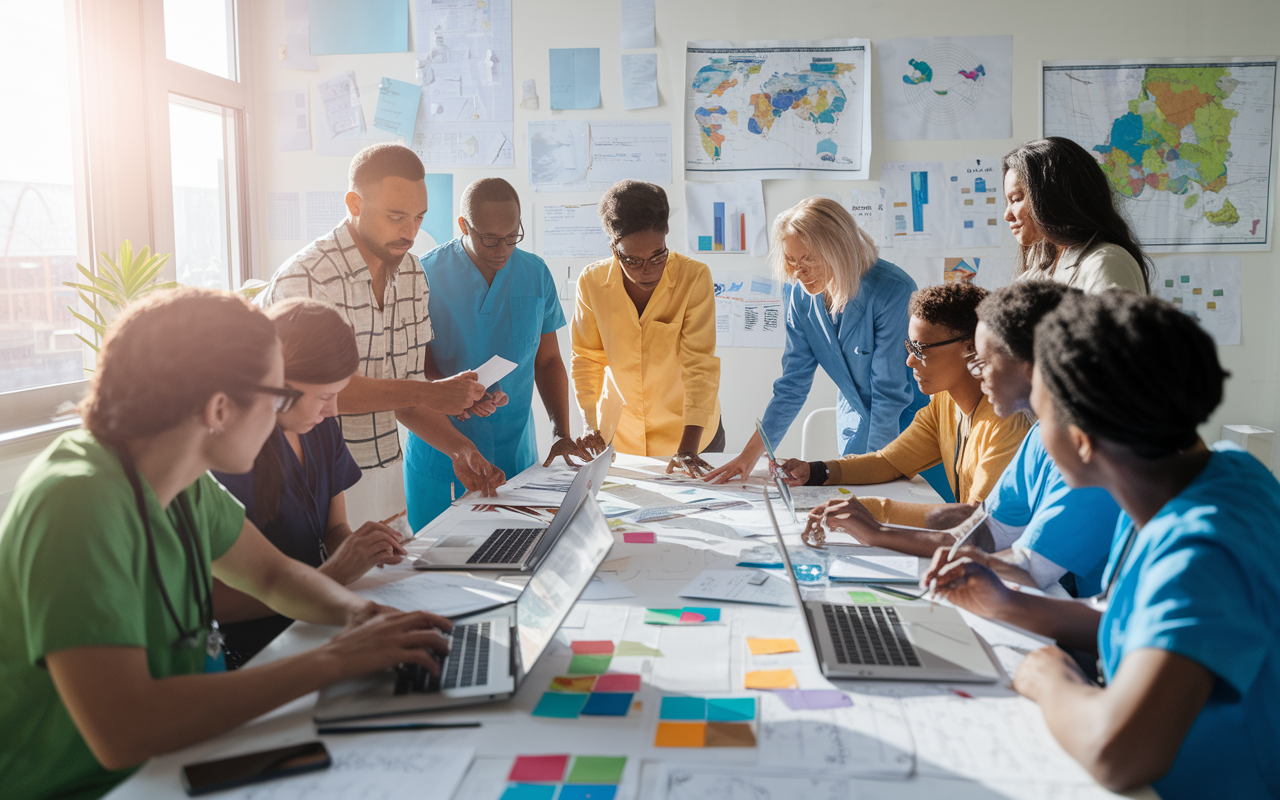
(74, 572)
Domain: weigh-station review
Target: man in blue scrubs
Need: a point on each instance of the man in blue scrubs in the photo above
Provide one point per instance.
(489, 298)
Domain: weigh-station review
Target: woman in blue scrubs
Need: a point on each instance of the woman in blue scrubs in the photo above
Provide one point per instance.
(847, 312)
(1185, 626)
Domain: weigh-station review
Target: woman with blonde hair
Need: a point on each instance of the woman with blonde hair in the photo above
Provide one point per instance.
(846, 311)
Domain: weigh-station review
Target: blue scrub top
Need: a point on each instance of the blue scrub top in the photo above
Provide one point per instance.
(860, 348)
(1070, 527)
(1201, 581)
(473, 322)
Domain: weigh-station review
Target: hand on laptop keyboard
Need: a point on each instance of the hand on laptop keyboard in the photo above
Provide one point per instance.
(388, 639)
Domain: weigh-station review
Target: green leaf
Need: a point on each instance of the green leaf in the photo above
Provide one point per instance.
(92, 346)
(99, 329)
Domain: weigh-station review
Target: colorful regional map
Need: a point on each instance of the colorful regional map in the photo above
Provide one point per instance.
(777, 110)
(1187, 147)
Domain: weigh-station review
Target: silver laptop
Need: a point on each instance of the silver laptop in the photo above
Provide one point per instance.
(512, 545)
(492, 651)
(775, 471)
(887, 641)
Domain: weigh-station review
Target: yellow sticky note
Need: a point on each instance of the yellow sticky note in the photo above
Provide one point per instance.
(771, 679)
(765, 647)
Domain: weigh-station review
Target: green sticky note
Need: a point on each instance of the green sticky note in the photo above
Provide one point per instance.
(560, 704)
(1186, 279)
(626, 648)
(1168, 284)
(662, 616)
(597, 769)
(589, 664)
(864, 597)
(1217, 293)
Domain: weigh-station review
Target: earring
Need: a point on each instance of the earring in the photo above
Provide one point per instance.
(214, 431)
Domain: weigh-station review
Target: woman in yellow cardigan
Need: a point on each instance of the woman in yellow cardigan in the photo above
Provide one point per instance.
(649, 315)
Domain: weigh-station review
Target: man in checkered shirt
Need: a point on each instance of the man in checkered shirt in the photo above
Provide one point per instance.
(365, 270)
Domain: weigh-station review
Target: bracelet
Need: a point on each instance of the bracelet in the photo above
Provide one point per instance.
(818, 473)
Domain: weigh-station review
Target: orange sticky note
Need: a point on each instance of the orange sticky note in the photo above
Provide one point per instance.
(681, 734)
(771, 679)
(765, 647)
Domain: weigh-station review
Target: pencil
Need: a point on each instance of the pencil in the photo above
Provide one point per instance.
(406, 726)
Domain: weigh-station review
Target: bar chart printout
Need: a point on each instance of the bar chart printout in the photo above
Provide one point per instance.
(729, 230)
(726, 217)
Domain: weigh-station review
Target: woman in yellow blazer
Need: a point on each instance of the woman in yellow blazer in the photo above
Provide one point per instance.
(649, 315)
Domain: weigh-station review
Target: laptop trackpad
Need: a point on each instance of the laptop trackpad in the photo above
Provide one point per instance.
(952, 643)
(472, 541)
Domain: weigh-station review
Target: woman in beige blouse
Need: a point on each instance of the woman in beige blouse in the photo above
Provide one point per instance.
(1061, 210)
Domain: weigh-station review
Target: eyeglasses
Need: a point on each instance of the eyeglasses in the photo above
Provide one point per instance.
(975, 365)
(490, 240)
(283, 397)
(917, 348)
(635, 262)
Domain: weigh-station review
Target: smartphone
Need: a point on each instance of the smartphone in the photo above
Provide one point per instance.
(264, 765)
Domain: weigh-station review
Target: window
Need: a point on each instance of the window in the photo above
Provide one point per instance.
(201, 34)
(202, 149)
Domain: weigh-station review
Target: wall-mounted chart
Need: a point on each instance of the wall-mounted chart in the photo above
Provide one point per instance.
(946, 87)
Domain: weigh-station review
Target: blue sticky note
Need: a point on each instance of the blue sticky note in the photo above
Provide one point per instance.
(529, 791)
(686, 708)
(704, 243)
(565, 705)
(607, 704)
(397, 109)
(587, 791)
(709, 614)
(339, 27)
(575, 77)
(439, 218)
(731, 709)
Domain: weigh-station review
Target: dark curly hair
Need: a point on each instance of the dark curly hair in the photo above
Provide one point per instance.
(952, 305)
(1131, 369)
(634, 207)
(1012, 313)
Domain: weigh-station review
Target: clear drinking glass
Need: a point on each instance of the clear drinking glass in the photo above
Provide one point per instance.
(811, 565)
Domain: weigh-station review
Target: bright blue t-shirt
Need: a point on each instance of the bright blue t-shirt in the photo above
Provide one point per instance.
(1070, 527)
(473, 322)
(1200, 580)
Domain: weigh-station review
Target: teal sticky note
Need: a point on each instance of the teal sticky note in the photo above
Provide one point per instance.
(588, 791)
(1186, 279)
(1217, 293)
(397, 109)
(684, 708)
(708, 614)
(565, 705)
(705, 243)
(731, 709)
(575, 77)
(529, 791)
(340, 27)
(662, 616)
(439, 220)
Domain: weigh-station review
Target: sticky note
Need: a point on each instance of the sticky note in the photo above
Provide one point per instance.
(1197, 290)
(681, 734)
(764, 647)
(626, 648)
(814, 699)
(700, 614)
(771, 679)
(1211, 305)
(607, 704)
(575, 77)
(573, 683)
(560, 704)
(662, 616)
(1186, 279)
(597, 769)
(604, 647)
(1218, 293)
(731, 709)
(730, 734)
(640, 537)
(589, 664)
(529, 791)
(340, 28)
(530, 769)
(618, 683)
(683, 708)
(588, 791)
(863, 597)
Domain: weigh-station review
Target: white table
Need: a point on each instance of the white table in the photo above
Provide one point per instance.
(656, 573)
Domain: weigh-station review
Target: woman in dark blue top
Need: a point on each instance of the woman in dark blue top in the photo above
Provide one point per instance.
(294, 493)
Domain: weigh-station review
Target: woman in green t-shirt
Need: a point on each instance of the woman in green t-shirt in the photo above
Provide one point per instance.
(111, 540)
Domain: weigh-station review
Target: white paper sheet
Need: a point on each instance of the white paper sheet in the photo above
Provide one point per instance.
(915, 204)
(739, 207)
(296, 50)
(341, 97)
(703, 781)
(605, 588)
(873, 569)
(946, 87)
(637, 24)
(283, 223)
(559, 154)
(293, 119)
(749, 309)
(639, 80)
(695, 658)
(868, 211)
(1207, 288)
(637, 150)
(572, 232)
(493, 370)
(975, 199)
(735, 585)
(871, 738)
(325, 211)
(449, 595)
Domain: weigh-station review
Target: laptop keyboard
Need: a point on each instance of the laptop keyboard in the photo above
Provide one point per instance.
(870, 635)
(505, 546)
(466, 665)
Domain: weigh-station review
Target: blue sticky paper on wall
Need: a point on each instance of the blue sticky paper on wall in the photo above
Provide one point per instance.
(575, 77)
(439, 219)
(339, 27)
(397, 110)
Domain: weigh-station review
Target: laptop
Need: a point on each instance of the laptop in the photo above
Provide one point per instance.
(513, 545)
(887, 641)
(775, 471)
(492, 651)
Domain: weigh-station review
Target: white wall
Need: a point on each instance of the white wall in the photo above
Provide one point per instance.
(1082, 29)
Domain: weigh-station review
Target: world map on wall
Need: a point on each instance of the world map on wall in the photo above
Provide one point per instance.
(943, 83)
(1186, 146)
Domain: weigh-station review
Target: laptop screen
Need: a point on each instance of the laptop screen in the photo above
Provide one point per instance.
(560, 579)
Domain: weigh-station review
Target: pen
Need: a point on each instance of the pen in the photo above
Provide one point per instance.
(897, 592)
(407, 726)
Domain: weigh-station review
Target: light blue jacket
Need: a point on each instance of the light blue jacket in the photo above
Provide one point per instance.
(861, 349)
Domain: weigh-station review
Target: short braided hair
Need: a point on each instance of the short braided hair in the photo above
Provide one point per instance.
(952, 305)
(1131, 369)
(1012, 313)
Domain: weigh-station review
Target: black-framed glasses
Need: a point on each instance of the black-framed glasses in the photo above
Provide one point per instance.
(917, 348)
(976, 365)
(282, 396)
(635, 262)
(491, 240)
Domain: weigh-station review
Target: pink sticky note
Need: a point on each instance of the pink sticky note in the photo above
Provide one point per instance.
(640, 537)
(618, 683)
(539, 768)
(691, 616)
(604, 648)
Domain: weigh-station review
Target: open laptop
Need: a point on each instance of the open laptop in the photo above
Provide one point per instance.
(888, 641)
(491, 651)
(508, 544)
(775, 471)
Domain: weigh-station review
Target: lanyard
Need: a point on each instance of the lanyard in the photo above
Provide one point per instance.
(1130, 538)
(965, 425)
(313, 510)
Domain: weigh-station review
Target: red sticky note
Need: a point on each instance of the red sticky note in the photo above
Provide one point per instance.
(539, 768)
(618, 683)
(640, 537)
(604, 648)
(691, 616)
